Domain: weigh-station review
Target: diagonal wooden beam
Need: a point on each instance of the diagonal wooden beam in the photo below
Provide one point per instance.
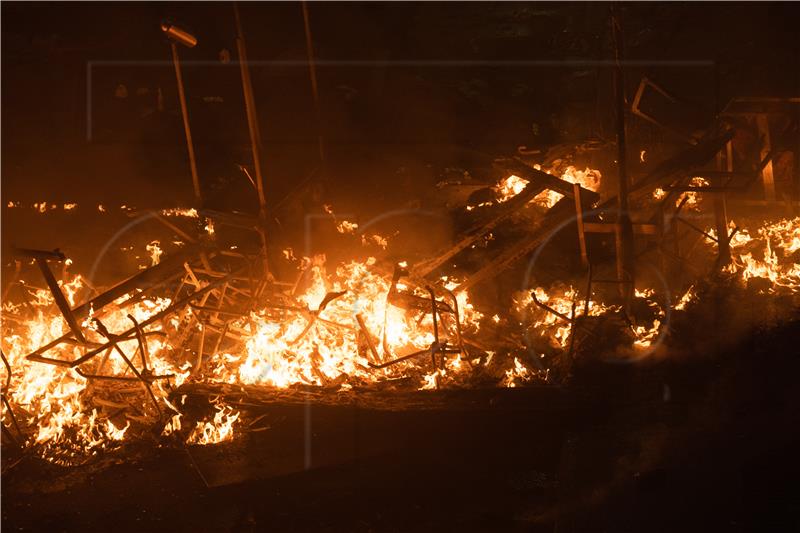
(538, 181)
(477, 231)
(152, 277)
(548, 181)
(61, 301)
(514, 253)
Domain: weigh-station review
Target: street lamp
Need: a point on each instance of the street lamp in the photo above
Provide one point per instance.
(179, 35)
(176, 35)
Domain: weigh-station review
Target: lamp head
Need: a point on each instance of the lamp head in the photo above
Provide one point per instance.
(178, 35)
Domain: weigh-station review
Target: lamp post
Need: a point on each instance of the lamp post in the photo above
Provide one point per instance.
(624, 230)
(177, 35)
(255, 137)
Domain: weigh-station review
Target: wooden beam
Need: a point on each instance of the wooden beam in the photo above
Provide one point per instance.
(767, 176)
(548, 181)
(579, 219)
(61, 301)
(516, 252)
(255, 136)
(721, 215)
(152, 277)
(538, 181)
(473, 234)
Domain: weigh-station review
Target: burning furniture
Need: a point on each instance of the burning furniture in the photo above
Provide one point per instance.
(87, 368)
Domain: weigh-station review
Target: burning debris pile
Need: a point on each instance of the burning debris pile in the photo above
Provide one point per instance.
(81, 378)
(88, 369)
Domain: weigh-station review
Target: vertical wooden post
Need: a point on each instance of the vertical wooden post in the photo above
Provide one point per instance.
(624, 228)
(198, 197)
(255, 135)
(729, 156)
(198, 362)
(579, 220)
(661, 235)
(767, 176)
(312, 73)
(721, 216)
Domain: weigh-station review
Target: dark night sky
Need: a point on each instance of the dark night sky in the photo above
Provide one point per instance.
(367, 110)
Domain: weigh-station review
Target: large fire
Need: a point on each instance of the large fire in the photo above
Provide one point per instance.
(316, 337)
(298, 349)
(345, 326)
(50, 398)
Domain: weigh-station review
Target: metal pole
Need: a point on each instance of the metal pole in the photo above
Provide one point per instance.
(767, 176)
(312, 72)
(724, 163)
(250, 108)
(721, 216)
(624, 228)
(255, 135)
(198, 197)
(579, 220)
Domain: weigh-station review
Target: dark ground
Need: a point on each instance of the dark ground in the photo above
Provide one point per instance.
(703, 443)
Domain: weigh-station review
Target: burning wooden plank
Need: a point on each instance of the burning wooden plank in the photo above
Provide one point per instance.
(537, 181)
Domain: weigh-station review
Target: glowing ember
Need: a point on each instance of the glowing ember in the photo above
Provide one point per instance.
(431, 381)
(218, 429)
(382, 242)
(692, 198)
(288, 253)
(154, 249)
(180, 212)
(509, 187)
(686, 299)
(518, 374)
(645, 336)
(346, 227)
(114, 433)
